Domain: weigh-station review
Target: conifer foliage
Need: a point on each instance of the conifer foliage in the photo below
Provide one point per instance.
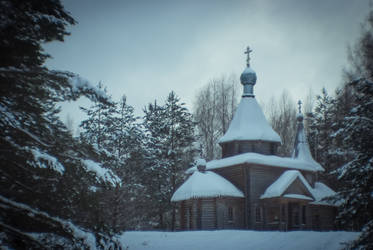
(170, 136)
(357, 174)
(356, 133)
(113, 131)
(42, 167)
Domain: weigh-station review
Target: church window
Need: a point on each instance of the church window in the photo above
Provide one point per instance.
(303, 214)
(296, 217)
(272, 149)
(283, 212)
(230, 213)
(273, 214)
(258, 214)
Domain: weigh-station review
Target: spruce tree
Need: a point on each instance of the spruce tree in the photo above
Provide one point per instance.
(357, 175)
(322, 124)
(356, 133)
(42, 167)
(170, 138)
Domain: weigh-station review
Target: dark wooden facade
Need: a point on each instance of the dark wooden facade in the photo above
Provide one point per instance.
(252, 212)
(212, 213)
(240, 147)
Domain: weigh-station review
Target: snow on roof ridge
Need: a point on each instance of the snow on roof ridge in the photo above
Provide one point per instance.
(260, 159)
(298, 196)
(277, 188)
(205, 184)
(249, 123)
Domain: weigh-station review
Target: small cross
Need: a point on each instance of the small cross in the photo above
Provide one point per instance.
(300, 106)
(248, 50)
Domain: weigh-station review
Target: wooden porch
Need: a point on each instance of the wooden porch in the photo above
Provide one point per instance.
(283, 214)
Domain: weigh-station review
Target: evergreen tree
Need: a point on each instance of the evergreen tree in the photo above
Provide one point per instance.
(113, 130)
(170, 131)
(356, 133)
(357, 175)
(42, 167)
(157, 163)
(322, 124)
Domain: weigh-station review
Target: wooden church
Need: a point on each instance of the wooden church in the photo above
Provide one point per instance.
(251, 187)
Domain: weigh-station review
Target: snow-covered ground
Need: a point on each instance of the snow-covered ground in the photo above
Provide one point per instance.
(236, 240)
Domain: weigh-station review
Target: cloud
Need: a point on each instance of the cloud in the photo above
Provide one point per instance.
(145, 49)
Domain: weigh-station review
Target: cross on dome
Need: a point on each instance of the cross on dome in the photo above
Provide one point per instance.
(248, 51)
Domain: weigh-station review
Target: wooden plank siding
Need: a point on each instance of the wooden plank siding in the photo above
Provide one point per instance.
(261, 177)
(322, 217)
(234, 175)
(238, 220)
(208, 214)
(276, 213)
(240, 147)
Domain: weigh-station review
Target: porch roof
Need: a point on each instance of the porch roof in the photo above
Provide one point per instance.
(278, 188)
(206, 184)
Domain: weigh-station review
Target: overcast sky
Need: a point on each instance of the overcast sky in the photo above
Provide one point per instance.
(145, 49)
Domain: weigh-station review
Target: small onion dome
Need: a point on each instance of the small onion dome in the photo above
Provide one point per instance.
(248, 76)
(201, 164)
(300, 117)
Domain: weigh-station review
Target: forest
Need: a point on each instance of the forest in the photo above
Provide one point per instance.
(74, 190)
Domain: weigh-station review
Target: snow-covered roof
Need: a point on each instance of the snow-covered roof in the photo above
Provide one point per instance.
(205, 184)
(322, 191)
(249, 123)
(255, 158)
(298, 196)
(278, 188)
(301, 148)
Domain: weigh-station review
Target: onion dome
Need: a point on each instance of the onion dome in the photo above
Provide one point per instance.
(248, 77)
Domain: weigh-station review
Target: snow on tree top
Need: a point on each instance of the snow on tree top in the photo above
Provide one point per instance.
(277, 188)
(249, 123)
(205, 184)
(255, 158)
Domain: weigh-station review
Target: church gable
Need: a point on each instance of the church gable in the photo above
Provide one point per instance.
(291, 184)
(297, 190)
